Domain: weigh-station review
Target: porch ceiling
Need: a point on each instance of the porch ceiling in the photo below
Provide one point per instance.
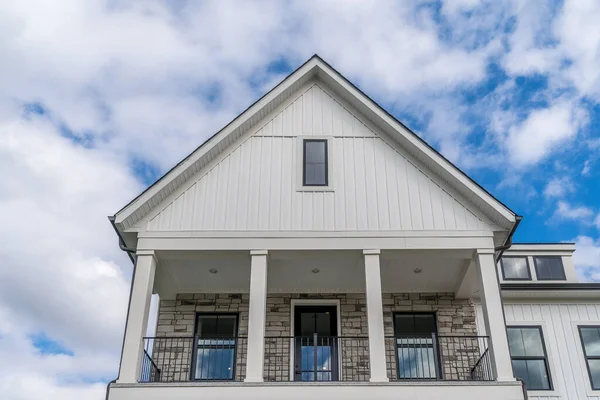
(313, 272)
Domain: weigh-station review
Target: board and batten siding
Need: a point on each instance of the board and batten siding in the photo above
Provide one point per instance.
(559, 323)
(254, 187)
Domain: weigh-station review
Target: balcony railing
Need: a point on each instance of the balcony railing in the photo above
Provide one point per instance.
(181, 359)
(316, 358)
(449, 358)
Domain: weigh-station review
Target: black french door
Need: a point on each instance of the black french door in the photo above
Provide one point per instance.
(315, 343)
(417, 347)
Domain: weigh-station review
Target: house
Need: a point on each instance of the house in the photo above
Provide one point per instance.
(316, 248)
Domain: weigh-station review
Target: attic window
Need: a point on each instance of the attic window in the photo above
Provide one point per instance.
(549, 268)
(315, 169)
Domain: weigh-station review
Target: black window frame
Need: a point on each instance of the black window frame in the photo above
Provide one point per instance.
(196, 346)
(525, 358)
(529, 278)
(435, 345)
(326, 142)
(585, 356)
(537, 273)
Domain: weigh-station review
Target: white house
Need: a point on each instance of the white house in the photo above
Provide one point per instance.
(316, 248)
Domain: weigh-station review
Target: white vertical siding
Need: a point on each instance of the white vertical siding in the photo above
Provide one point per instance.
(559, 325)
(255, 186)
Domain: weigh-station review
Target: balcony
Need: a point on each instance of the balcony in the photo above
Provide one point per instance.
(302, 324)
(308, 359)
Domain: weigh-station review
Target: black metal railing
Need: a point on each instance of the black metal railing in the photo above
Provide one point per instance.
(149, 371)
(450, 358)
(316, 358)
(180, 359)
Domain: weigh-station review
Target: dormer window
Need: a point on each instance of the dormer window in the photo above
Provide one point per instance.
(315, 169)
(549, 268)
(515, 269)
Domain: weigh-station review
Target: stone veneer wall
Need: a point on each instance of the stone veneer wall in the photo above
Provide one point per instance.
(454, 317)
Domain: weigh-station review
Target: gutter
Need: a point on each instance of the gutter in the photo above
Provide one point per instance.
(508, 243)
(130, 253)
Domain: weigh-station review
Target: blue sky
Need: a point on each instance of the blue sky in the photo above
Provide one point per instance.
(99, 98)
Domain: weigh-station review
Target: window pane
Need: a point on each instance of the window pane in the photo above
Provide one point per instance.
(314, 152)
(315, 174)
(591, 341)
(323, 324)
(549, 268)
(207, 326)
(525, 342)
(515, 268)
(416, 363)
(226, 326)
(424, 324)
(214, 363)
(532, 342)
(307, 324)
(533, 373)
(515, 342)
(404, 324)
(538, 375)
(595, 373)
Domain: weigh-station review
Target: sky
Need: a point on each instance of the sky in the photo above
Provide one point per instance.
(98, 98)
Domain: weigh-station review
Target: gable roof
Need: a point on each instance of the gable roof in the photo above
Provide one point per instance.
(315, 67)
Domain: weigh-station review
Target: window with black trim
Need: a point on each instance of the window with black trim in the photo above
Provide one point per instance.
(529, 358)
(417, 350)
(315, 169)
(515, 268)
(549, 268)
(590, 341)
(215, 350)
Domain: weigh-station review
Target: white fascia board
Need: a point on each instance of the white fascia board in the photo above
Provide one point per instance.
(531, 248)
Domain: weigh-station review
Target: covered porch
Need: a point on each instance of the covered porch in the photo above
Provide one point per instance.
(325, 316)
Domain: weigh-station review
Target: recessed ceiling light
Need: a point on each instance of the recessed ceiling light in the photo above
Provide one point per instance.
(316, 271)
(213, 271)
(418, 270)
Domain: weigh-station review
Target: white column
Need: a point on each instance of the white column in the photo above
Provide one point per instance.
(257, 315)
(137, 318)
(493, 314)
(375, 316)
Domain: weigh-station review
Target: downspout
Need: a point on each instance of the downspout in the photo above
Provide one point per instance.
(131, 254)
(498, 254)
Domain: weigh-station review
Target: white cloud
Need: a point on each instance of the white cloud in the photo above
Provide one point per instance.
(566, 211)
(543, 131)
(559, 187)
(587, 258)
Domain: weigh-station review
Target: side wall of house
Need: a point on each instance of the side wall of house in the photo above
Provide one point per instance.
(176, 319)
(559, 321)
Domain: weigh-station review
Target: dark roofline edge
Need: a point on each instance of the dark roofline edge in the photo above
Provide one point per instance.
(551, 286)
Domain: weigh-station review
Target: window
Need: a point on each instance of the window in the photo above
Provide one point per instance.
(590, 340)
(216, 346)
(315, 170)
(529, 359)
(549, 268)
(416, 349)
(515, 268)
